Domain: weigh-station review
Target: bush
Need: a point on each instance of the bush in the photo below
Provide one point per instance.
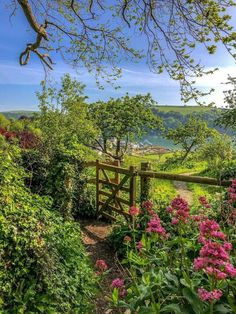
(43, 265)
(181, 264)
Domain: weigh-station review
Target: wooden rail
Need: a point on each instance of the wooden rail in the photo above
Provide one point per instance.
(114, 202)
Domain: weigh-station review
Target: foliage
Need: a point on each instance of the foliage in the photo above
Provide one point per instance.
(190, 135)
(123, 120)
(55, 167)
(218, 151)
(95, 34)
(43, 266)
(228, 117)
(179, 263)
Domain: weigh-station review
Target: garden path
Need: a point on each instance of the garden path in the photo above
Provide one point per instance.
(183, 191)
(94, 235)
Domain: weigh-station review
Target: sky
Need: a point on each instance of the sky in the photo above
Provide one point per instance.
(18, 84)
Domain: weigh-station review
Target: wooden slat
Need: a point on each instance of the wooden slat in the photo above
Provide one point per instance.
(89, 164)
(108, 216)
(113, 194)
(114, 184)
(184, 178)
(114, 168)
(114, 209)
(132, 186)
(117, 198)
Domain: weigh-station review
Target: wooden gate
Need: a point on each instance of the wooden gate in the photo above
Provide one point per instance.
(115, 193)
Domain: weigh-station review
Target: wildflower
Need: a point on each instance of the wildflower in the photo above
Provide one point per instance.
(134, 211)
(117, 283)
(175, 221)
(101, 265)
(209, 296)
(210, 229)
(127, 239)
(154, 225)
(204, 202)
(139, 245)
(230, 270)
(227, 246)
(148, 205)
(179, 209)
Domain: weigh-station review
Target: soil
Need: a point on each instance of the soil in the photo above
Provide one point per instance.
(183, 191)
(94, 236)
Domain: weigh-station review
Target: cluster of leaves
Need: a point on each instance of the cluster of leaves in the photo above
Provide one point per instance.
(161, 277)
(43, 265)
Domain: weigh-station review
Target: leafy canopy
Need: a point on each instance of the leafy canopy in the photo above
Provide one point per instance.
(124, 119)
(96, 34)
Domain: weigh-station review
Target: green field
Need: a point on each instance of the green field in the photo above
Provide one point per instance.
(185, 109)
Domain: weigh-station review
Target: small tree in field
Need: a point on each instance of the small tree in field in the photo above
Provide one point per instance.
(190, 135)
(122, 120)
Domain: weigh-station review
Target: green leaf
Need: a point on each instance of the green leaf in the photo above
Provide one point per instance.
(171, 308)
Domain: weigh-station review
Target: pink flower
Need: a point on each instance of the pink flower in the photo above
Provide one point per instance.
(154, 225)
(230, 270)
(175, 221)
(117, 283)
(227, 246)
(209, 296)
(148, 205)
(134, 211)
(127, 239)
(101, 265)
(139, 245)
(204, 202)
(179, 209)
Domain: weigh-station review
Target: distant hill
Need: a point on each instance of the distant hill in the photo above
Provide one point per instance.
(17, 114)
(185, 110)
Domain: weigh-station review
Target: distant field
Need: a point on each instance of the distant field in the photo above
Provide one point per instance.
(184, 109)
(17, 114)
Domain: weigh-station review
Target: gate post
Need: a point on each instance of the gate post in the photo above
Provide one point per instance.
(97, 186)
(145, 182)
(132, 186)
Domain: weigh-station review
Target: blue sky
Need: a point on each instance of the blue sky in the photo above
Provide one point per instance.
(19, 84)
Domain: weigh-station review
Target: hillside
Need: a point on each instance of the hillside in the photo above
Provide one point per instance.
(17, 114)
(185, 110)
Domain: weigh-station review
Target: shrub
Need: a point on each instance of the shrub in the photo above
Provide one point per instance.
(184, 264)
(43, 265)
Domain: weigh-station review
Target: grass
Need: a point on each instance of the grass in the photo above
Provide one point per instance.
(184, 109)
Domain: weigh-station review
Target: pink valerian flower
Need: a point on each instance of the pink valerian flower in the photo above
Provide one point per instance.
(139, 245)
(209, 296)
(227, 246)
(203, 201)
(127, 239)
(210, 229)
(101, 266)
(179, 209)
(118, 283)
(154, 226)
(230, 270)
(232, 192)
(232, 217)
(148, 206)
(134, 211)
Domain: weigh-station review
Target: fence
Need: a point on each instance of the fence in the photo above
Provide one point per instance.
(115, 194)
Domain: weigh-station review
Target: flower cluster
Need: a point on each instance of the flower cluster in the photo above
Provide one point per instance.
(214, 257)
(148, 206)
(154, 226)
(203, 201)
(179, 209)
(210, 229)
(101, 266)
(232, 192)
(119, 284)
(209, 296)
(134, 211)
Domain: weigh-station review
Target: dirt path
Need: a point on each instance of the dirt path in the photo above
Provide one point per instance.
(94, 235)
(182, 189)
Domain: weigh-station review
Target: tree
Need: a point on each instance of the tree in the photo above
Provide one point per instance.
(228, 116)
(123, 120)
(90, 33)
(191, 135)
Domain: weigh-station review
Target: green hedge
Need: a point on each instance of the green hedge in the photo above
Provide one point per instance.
(43, 265)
